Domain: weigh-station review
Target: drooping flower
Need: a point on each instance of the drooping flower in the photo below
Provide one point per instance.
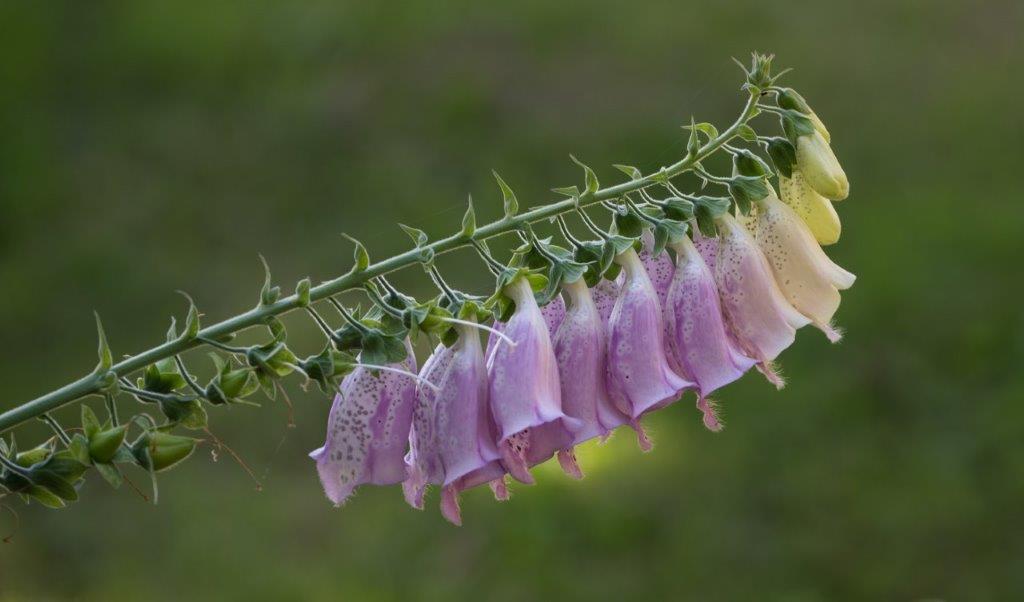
(553, 314)
(700, 347)
(639, 377)
(581, 355)
(808, 278)
(816, 211)
(452, 443)
(525, 393)
(367, 430)
(819, 165)
(756, 311)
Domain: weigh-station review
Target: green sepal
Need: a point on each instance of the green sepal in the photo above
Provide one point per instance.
(328, 367)
(796, 124)
(381, 349)
(745, 190)
(509, 197)
(278, 332)
(783, 155)
(110, 473)
(677, 208)
(230, 385)
(627, 223)
(706, 210)
(191, 330)
(693, 141)
(667, 231)
(746, 163)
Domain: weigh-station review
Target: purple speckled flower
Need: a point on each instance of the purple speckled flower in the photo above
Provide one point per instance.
(581, 354)
(808, 278)
(452, 443)
(756, 311)
(639, 377)
(525, 394)
(604, 294)
(367, 430)
(699, 346)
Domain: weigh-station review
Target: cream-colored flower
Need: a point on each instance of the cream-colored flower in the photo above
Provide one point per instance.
(808, 278)
(817, 212)
(814, 157)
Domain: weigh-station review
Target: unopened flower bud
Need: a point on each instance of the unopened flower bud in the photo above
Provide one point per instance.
(820, 167)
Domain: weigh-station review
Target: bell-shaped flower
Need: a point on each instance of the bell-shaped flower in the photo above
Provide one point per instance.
(700, 347)
(452, 443)
(807, 277)
(367, 429)
(660, 268)
(581, 354)
(816, 211)
(639, 377)
(553, 314)
(525, 393)
(757, 313)
(817, 162)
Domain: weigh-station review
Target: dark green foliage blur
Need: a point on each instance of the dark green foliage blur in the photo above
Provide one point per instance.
(152, 146)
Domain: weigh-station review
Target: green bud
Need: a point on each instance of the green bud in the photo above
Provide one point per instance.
(104, 444)
(159, 451)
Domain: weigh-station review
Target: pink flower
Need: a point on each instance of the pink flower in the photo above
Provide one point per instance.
(660, 269)
(639, 378)
(581, 353)
(367, 430)
(452, 443)
(756, 311)
(525, 393)
(699, 346)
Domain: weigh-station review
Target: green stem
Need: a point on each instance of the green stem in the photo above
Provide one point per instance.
(90, 384)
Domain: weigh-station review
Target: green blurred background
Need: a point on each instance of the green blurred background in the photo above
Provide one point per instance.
(153, 146)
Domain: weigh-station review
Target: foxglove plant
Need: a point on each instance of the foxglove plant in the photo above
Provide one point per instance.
(554, 375)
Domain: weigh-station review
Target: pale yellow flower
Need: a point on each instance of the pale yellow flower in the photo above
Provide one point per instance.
(814, 157)
(816, 211)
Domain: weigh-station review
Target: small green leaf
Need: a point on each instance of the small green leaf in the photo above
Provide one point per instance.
(705, 128)
(419, 237)
(746, 132)
(302, 291)
(90, 424)
(511, 204)
(105, 356)
(629, 170)
(191, 319)
(783, 155)
(360, 256)
(570, 191)
(469, 220)
(591, 184)
(110, 473)
(269, 294)
(693, 144)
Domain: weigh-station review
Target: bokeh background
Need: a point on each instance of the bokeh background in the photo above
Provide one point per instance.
(153, 146)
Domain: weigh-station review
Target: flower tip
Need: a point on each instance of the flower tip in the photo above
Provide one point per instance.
(567, 460)
(450, 506)
(770, 372)
(641, 437)
(515, 463)
(834, 334)
(500, 489)
(709, 409)
(413, 494)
